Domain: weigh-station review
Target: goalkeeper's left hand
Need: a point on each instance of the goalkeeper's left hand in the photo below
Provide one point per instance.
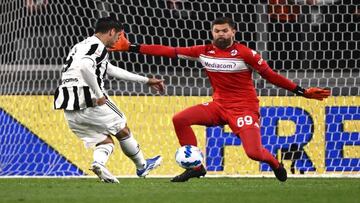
(122, 44)
(316, 93)
(157, 84)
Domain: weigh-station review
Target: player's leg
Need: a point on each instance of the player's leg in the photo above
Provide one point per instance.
(131, 149)
(102, 152)
(203, 114)
(128, 143)
(251, 141)
(88, 131)
(246, 126)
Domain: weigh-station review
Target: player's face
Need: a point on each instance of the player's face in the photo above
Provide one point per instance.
(223, 35)
(113, 37)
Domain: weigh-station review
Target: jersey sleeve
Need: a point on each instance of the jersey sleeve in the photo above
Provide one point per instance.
(120, 73)
(88, 74)
(255, 60)
(192, 52)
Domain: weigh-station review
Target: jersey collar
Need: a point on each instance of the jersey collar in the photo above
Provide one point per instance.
(97, 39)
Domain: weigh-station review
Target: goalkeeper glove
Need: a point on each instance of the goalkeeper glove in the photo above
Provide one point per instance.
(122, 44)
(316, 93)
(312, 93)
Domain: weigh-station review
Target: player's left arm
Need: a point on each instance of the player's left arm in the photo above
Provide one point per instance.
(256, 62)
(120, 73)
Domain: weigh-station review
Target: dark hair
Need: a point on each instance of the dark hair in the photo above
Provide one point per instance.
(223, 20)
(105, 24)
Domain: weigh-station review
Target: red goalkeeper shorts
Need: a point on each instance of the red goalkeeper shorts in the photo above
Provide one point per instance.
(237, 117)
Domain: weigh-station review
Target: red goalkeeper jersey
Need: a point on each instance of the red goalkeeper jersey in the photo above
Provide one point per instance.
(229, 70)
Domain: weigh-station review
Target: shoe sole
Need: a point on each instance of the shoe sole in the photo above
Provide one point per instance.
(156, 164)
(97, 170)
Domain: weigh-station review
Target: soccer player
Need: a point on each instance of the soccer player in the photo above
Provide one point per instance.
(229, 66)
(90, 113)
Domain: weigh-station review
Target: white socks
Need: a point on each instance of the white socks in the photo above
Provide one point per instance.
(132, 150)
(129, 146)
(102, 153)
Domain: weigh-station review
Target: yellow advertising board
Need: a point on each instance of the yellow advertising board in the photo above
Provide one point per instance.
(150, 119)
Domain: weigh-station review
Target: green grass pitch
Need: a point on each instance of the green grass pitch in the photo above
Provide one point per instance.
(159, 190)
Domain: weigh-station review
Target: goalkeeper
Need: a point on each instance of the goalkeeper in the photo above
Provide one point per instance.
(90, 113)
(229, 66)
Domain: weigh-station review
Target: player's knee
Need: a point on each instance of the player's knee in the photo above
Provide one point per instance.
(179, 119)
(108, 140)
(125, 132)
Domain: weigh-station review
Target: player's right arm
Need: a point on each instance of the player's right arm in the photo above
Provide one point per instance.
(192, 52)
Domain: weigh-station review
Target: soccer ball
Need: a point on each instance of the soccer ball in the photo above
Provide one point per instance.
(189, 156)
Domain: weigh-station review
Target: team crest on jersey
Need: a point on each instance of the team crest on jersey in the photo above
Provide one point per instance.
(233, 52)
(97, 52)
(253, 52)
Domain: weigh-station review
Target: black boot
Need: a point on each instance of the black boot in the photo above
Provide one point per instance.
(189, 173)
(280, 173)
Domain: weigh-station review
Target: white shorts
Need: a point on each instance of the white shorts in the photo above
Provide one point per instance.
(93, 125)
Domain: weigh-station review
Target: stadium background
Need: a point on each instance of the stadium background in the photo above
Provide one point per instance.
(312, 44)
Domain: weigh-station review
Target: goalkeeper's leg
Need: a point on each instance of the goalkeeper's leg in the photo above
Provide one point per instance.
(202, 114)
(251, 140)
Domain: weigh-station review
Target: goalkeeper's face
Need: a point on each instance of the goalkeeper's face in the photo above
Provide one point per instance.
(223, 35)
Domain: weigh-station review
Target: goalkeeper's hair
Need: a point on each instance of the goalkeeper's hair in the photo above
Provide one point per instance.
(107, 23)
(223, 20)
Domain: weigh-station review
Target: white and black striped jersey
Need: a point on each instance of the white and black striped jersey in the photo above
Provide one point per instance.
(74, 93)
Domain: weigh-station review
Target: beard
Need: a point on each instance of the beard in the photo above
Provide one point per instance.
(222, 43)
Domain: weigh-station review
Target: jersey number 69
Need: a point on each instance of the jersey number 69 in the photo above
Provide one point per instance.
(246, 120)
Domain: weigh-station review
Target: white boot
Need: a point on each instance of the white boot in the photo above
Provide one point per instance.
(103, 173)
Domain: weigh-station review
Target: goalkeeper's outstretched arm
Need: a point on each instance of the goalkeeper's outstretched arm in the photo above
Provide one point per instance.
(260, 65)
(123, 44)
